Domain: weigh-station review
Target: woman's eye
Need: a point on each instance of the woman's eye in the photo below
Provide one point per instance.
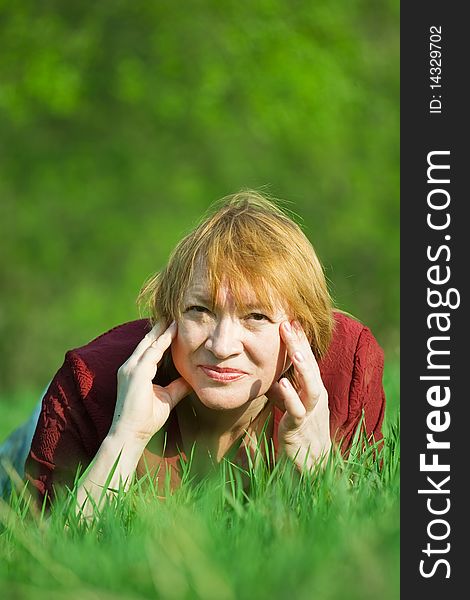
(198, 309)
(258, 317)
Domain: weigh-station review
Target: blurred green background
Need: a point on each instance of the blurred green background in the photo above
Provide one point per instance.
(120, 122)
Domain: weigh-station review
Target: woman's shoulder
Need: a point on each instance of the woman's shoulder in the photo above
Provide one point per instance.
(96, 362)
(346, 326)
(119, 340)
(349, 341)
(352, 372)
(349, 330)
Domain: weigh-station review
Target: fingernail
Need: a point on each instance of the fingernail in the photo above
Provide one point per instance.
(299, 357)
(285, 383)
(287, 327)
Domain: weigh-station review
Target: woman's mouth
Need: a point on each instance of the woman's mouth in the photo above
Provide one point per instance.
(221, 373)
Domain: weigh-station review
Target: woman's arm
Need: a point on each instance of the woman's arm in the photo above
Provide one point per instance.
(120, 452)
(304, 429)
(354, 378)
(366, 397)
(76, 427)
(142, 408)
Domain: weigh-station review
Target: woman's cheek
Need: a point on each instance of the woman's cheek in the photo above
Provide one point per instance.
(178, 347)
(284, 357)
(186, 342)
(176, 353)
(271, 355)
(190, 335)
(281, 360)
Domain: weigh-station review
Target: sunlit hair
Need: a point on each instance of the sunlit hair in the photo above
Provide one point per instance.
(247, 242)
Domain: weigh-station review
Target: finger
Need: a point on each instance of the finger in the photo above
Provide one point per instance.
(147, 340)
(304, 361)
(177, 390)
(293, 404)
(153, 353)
(308, 348)
(311, 385)
(295, 340)
(275, 395)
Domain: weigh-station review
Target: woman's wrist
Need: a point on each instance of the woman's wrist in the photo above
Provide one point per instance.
(126, 445)
(119, 453)
(120, 433)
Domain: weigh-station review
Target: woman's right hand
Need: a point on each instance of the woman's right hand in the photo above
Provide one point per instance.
(142, 408)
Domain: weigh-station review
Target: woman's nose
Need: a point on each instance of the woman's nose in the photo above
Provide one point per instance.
(225, 339)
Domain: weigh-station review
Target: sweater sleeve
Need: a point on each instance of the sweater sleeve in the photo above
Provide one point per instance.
(63, 439)
(366, 394)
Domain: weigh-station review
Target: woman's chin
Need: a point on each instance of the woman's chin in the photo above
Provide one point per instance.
(220, 396)
(225, 397)
(222, 400)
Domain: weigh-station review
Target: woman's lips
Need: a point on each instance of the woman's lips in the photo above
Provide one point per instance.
(221, 373)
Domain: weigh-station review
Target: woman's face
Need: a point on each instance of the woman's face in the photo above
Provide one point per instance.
(229, 355)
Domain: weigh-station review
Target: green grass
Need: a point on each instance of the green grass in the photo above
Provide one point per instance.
(257, 534)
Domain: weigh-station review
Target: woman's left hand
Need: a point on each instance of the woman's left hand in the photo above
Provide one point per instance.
(304, 430)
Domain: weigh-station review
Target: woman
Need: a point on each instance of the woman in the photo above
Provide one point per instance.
(242, 334)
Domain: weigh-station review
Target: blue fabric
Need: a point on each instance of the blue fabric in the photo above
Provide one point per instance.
(15, 448)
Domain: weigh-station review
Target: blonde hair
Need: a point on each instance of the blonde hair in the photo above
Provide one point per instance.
(247, 242)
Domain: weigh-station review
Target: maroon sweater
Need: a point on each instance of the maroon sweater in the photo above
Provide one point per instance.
(78, 407)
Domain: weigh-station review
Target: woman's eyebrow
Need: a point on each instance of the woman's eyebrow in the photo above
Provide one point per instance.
(197, 297)
(255, 306)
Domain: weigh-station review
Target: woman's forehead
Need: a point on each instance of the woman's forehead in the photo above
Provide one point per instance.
(244, 295)
(201, 287)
